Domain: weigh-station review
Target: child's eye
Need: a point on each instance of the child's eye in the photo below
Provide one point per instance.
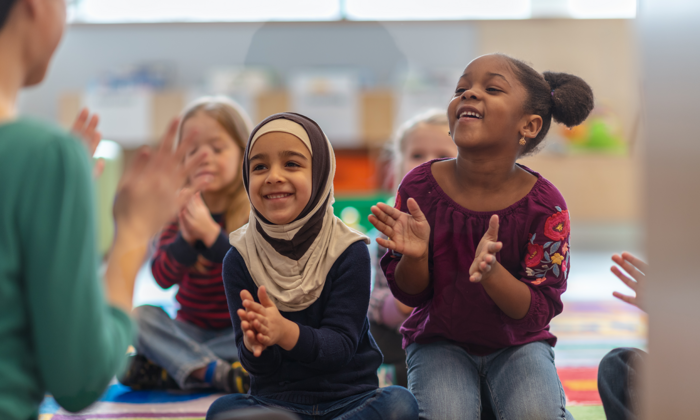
(491, 89)
(416, 156)
(217, 150)
(192, 152)
(293, 164)
(258, 167)
(460, 91)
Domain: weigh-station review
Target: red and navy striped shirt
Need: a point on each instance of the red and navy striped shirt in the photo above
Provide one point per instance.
(197, 270)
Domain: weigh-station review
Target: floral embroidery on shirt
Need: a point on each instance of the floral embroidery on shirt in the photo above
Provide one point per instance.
(553, 255)
(535, 252)
(557, 227)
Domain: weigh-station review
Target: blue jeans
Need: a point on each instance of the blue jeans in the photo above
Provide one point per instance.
(521, 381)
(617, 376)
(180, 347)
(390, 403)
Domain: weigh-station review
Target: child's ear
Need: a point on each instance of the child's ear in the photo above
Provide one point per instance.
(531, 126)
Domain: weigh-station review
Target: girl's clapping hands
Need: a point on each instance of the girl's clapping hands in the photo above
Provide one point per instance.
(408, 234)
(265, 325)
(486, 251)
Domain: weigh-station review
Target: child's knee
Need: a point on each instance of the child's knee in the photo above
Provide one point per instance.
(228, 403)
(401, 403)
(145, 314)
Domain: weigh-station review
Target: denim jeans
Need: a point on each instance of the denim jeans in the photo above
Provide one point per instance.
(521, 381)
(180, 347)
(390, 403)
(617, 376)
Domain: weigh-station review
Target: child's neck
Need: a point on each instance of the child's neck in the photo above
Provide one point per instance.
(216, 201)
(477, 172)
(11, 79)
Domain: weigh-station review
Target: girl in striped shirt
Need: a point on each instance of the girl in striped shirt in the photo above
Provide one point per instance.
(197, 349)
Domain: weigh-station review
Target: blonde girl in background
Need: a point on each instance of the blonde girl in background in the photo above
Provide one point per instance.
(422, 138)
(197, 349)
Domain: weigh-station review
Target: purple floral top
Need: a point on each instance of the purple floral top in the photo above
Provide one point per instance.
(535, 236)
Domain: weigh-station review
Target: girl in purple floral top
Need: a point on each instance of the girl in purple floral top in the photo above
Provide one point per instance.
(480, 246)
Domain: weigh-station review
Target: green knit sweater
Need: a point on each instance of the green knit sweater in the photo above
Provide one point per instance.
(57, 334)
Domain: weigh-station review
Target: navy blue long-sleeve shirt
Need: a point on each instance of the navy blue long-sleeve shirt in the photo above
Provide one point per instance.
(335, 357)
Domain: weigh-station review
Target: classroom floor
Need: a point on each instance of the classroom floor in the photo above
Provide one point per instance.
(593, 322)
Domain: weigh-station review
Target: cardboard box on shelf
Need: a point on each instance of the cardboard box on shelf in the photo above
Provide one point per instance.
(597, 188)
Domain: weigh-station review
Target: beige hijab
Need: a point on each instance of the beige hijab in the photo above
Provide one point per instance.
(292, 261)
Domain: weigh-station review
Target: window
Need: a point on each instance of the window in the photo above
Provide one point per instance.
(145, 11)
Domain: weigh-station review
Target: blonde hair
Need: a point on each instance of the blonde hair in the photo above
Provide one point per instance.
(397, 146)
(237, 124)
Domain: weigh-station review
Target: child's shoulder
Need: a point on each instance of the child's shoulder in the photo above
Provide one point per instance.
(545, 192)
(419, 179)
(354, 256)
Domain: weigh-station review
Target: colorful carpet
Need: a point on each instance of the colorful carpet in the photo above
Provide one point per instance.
(121, 403)
(586, 331)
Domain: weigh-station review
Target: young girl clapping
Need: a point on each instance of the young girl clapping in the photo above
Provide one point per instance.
(480, 246)
(298, 285)
(197, 349)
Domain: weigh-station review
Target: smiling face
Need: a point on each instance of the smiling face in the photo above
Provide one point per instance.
(223, 161)
(280, 177)
(426, 142)
(486, 110)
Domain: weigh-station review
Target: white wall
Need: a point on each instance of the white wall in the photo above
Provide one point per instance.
(376, 50)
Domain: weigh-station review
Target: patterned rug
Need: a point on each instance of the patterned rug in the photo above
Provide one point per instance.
(121, 403)
(586, 331)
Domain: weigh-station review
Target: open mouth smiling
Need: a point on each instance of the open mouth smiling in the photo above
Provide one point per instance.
(469, 112)
(276, 196)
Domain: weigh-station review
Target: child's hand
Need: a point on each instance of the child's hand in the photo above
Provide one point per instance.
(271, 326)
(147, 195)
(249, 333)
(635, 268)
(85, 128)
(407, 234)
(485, 257)
(196, 222)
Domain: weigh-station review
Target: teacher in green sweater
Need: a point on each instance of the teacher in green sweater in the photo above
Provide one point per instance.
(63, 330)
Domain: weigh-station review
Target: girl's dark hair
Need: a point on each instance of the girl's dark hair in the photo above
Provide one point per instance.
(5, 7)
(562, 96)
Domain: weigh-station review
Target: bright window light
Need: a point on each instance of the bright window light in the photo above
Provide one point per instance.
(603, 9)
(436, 9)
(120, 11)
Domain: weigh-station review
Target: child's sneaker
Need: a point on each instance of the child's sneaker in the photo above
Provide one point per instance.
(238, 379)
(143, 374)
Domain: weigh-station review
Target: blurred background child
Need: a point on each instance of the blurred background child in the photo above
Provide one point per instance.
(197, 349)
(420, 139)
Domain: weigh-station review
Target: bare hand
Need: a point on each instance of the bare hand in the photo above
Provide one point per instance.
(408, 234)
(147, 195)
(249, 332)
(272, 327)
(635, 268)
(85, 128)
(486, 251)
(196, 222)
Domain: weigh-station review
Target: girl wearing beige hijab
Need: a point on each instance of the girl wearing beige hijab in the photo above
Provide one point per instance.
(297, 282)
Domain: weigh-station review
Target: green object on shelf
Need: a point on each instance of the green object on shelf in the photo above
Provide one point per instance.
(357, 218)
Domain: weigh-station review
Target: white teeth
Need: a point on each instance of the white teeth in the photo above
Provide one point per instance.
(470, 114)
(277, 196)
